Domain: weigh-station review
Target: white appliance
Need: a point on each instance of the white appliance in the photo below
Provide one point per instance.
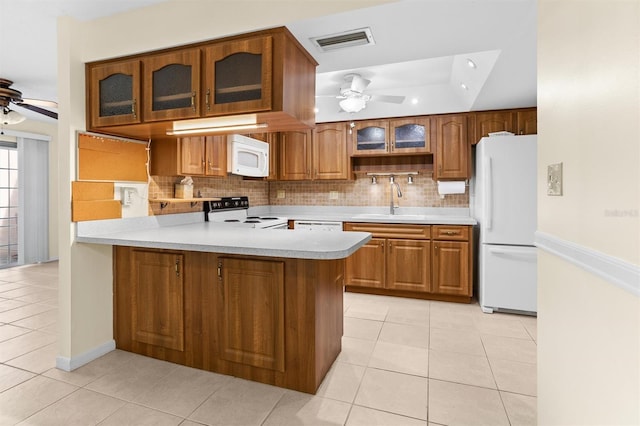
(505, 206)
(247, 156)
(232, 211)
(317, 225)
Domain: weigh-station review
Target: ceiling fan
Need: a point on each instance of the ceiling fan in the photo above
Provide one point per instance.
(352, 97)
(10, 96)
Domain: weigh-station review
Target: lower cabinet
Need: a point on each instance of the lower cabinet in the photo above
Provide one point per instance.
(271, 320)
(412, 260)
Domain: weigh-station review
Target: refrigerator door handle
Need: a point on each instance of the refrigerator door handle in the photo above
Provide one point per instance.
(507, 252)
(488, 196)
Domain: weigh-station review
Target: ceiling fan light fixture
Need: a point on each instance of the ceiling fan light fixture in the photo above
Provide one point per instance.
(10, 117)
(353, 104)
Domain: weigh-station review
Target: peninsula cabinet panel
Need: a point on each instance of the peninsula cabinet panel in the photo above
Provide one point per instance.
(252, 310)
(172, 85)
(149, 302)
(451, 271)
(451, 159)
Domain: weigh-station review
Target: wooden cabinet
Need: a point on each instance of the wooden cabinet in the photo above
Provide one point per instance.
(527, 121)
(251, 329)
(267, 73)
(272, 320)
(150, 296)
(320, 154)
(194, 156)
(451, 159)
(518, 121)
(402, 136)
(114, 93)
(489, 122)
(172, 85)
(396, 258)
(452, 264)
(273, 140)
(238, 76)
(431, 262)
(295, 155)
(330, 156)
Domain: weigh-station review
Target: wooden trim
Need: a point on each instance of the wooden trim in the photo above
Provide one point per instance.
(409, 294)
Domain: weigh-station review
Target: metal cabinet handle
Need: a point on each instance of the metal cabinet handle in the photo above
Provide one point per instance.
(193, 100)
(452, 232)
(220, 271)
(133, 108)
(206, 100)
(177, 267)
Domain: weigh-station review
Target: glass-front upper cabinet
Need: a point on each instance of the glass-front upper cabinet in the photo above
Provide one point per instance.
(370, 137)
(172, 85)
(410, 135)
(115, 93)
(238, 76)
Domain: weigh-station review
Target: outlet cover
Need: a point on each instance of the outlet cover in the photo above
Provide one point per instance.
(333, 195)
(280, 193)
(554, 179)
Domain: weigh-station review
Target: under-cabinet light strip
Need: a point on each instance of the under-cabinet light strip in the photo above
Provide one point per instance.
(215, 129)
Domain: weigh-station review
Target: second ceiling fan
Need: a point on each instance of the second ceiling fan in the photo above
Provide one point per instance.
(352, 97)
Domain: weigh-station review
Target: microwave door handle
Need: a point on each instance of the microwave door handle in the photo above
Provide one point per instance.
(265, 162)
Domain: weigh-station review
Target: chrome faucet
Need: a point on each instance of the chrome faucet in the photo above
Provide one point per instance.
(393, 183)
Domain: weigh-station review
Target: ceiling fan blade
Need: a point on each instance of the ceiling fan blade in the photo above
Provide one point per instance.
(358, 84)
(38, 110)
(387, 98)
(40, 103)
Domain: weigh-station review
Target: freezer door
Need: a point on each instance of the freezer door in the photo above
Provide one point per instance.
(505, 196)
(508, 278)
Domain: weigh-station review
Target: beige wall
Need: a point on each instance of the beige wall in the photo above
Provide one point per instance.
(588, 119)
(50, 130)
(85, 309)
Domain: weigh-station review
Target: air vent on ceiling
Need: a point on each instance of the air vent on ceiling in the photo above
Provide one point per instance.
(345, 39)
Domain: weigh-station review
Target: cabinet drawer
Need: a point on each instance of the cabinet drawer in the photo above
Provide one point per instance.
(451, 233)
(387, 230)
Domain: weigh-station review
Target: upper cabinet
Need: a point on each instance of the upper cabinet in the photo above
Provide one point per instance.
(520, 122)
(295, 155)
(172, 85)
(451, 159)
(266, 73)
(193, 156)
(237, 76)
(114, 94)
(401, 136)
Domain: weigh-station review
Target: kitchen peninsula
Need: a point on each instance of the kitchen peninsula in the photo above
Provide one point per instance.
(262, 305)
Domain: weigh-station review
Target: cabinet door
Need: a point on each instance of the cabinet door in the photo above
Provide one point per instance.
(527, 122)
(192, 155)
(370, 137)
(216, 156)
(252, 312)
(452, 148)
(330, 158)
(366, 267)
(114, 94)
(410, 135)
(172, 85)
(489, 122)
(157, 299)
(409, 265)
(238, 76)
(295, 155)
(451, 268)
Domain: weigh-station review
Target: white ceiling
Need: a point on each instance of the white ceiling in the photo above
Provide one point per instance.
(421, 50)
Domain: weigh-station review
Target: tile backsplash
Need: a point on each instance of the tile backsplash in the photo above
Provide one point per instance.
(423, 192)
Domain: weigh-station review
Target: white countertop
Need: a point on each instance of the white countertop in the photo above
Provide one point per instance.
(221, 238)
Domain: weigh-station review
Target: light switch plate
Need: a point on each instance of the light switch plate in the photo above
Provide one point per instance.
(554, 179)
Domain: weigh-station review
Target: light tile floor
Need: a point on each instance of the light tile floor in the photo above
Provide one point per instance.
(404, 362)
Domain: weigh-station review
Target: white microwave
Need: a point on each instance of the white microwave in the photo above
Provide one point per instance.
(247, 156)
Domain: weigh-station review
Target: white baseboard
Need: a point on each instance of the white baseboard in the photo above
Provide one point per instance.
(616, 271)
(70, 364)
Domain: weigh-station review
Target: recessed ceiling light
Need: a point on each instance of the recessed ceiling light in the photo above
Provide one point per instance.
(316, 110)
(464, 86)
(414, 101)
(471, 64)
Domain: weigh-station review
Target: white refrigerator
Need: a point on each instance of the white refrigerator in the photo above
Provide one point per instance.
(505, 207)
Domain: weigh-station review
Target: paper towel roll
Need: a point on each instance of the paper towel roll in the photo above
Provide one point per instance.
(451, 187)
